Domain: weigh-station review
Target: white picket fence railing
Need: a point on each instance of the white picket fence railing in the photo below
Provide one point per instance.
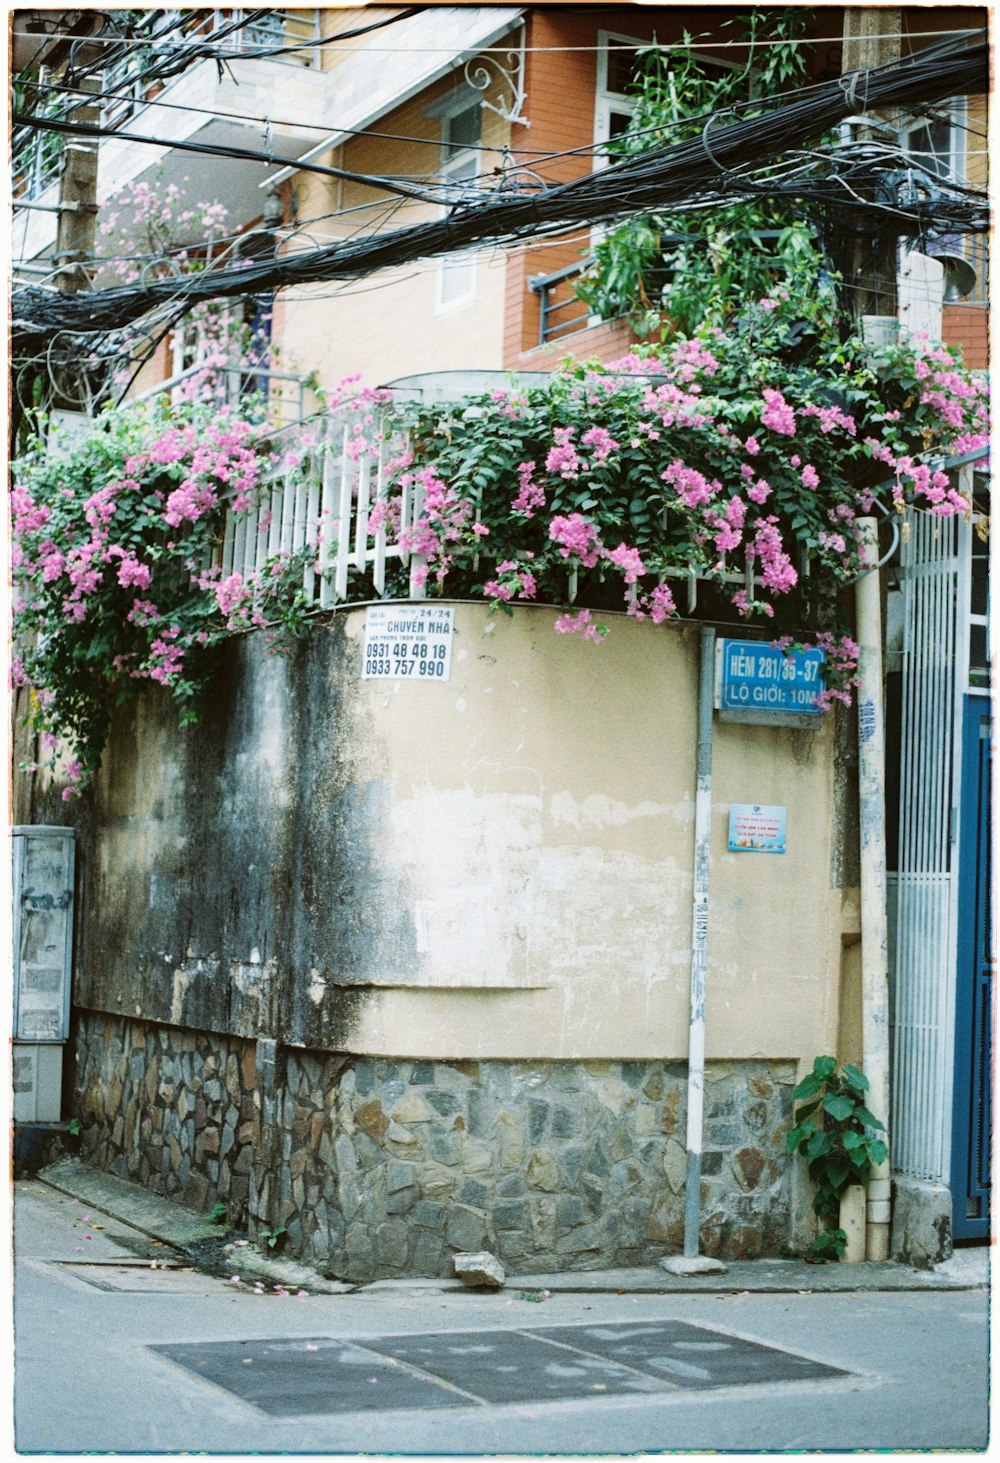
(329, 512)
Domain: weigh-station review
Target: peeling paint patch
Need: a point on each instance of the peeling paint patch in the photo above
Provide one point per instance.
(181, 982)
(246, 978)
(598, 811)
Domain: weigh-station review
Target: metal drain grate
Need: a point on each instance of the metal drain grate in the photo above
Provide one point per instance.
(288, 1378)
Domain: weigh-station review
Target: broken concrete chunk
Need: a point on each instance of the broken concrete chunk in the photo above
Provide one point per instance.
(480, 1269)
(693, 1265)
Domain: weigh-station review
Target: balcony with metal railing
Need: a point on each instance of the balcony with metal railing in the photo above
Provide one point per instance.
(166, 90)
(560, 310)
(281, 36)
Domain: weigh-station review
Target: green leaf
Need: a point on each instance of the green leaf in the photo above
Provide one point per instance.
(839, 1107)
(869, 1119)
(808, 1087)
(854, 1078)
(837, 1170)
(819, 1144)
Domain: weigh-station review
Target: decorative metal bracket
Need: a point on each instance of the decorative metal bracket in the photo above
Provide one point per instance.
(505, 72)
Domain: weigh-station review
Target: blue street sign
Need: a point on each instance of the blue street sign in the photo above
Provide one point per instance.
(760, 678)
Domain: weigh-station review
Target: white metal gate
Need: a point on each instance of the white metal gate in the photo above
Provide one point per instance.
(934, 572)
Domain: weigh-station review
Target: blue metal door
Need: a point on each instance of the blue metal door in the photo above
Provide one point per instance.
(970, 1165)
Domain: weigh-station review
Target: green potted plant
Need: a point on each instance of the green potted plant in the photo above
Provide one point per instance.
(834, 1130)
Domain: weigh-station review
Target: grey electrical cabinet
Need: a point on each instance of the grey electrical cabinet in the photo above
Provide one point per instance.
(43, 962)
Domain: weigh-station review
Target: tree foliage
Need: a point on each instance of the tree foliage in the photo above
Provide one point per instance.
(677, 272)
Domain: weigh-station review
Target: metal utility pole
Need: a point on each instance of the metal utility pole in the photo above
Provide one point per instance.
(872, 37)
(874, 918)
(691, 1262)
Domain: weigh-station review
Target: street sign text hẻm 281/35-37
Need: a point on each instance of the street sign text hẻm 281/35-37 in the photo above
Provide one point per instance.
(760, 682)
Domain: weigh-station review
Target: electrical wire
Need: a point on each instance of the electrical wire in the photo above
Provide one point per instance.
(142, 103)
(654, 181)
(720, 45)
(210, 49)
(235, 154)
(606, 148)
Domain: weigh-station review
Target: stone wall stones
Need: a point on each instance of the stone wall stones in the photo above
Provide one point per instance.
(379, 1168)
(176, 1111)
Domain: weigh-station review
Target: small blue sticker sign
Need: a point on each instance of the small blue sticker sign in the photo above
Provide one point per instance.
(866, 721)
(756, 828)
(761, 679)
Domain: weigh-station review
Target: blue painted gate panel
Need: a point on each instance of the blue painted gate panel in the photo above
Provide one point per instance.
(970, 1184)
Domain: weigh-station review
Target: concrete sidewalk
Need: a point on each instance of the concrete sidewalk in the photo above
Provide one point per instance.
(173, 1224)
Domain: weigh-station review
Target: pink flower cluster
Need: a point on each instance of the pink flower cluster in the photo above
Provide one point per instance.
(728, 525)
(563, 460)
(444, 515)
(658, 604)
(628, 560)
(692, 487)
(511, 581)
(777, 414)
(582, 624)
(600, 440)
(831, 417)
(776, 569)
(529, 495)
(576, 535)
(842, 654)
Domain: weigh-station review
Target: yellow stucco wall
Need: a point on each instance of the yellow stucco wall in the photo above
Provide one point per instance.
(391, 324)
(542, 814)
(495, 865)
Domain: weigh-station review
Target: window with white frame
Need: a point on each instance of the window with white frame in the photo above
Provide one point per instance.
(461, 138)
(618, 65)
(936, 142)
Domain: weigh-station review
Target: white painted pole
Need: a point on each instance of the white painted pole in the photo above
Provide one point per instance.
(874, 935)
(699, 945)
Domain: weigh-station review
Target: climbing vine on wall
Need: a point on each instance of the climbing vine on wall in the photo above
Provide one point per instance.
(744, 457)
(116, 572)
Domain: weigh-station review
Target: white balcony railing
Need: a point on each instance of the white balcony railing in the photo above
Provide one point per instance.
(329, 510)
(243, 32)
(328, 504)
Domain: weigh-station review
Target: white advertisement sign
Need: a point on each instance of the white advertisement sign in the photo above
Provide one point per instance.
(408, 642)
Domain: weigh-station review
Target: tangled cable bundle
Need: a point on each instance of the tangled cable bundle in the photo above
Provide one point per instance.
(753, 156)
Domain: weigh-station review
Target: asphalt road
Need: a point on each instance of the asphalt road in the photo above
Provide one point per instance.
(119, 1350)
